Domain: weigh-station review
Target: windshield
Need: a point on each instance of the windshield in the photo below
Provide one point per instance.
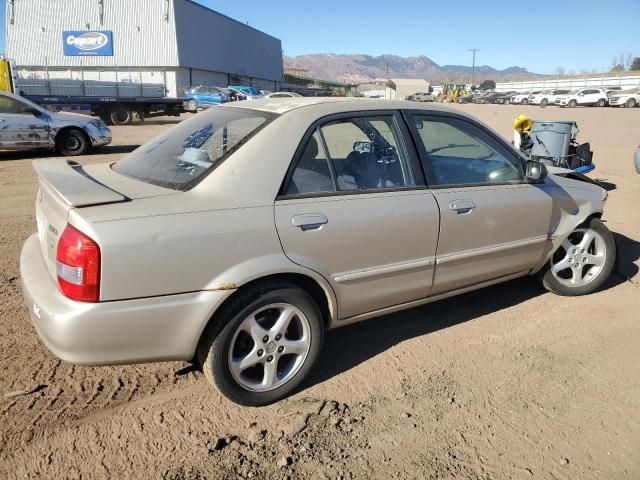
(246, 90)
(179, 158)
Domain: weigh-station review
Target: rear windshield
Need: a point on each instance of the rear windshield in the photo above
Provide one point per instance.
(182, 156)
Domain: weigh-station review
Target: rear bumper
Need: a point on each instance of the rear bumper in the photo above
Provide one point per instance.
(128, 331)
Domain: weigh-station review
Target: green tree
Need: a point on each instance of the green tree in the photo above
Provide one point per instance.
(635, 64)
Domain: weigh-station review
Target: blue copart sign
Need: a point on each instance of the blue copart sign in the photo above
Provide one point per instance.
(87, 43)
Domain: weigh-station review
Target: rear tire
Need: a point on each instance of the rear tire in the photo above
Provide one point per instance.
(572, 103)
(544, 102)
(630, 103)
(601, 103)
(583, 262)
(72, 142)
(120, 115)
(239, 363)
(524, 101)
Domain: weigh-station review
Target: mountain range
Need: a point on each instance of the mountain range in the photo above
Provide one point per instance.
(363, 68)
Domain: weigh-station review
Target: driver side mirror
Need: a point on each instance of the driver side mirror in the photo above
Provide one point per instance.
(535, 171)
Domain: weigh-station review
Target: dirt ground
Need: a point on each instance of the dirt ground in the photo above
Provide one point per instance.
(507, 382)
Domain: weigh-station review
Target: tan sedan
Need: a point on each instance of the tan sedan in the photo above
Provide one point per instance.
(240, 235)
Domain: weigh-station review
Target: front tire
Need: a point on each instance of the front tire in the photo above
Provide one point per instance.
(583, 262)
(630, 103)
(524, 101)
(572, 103)
(544, 102)
(192, 106)
(262, 344)
(72, 142)
(601, 103)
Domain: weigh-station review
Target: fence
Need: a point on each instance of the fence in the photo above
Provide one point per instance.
(623, 81)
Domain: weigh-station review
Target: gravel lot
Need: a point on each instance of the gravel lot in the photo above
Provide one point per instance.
(506, 382)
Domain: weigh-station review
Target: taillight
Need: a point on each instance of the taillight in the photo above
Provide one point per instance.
(78, 266)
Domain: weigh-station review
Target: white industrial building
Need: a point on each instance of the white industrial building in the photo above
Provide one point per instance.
(401, 88)
(153, 46)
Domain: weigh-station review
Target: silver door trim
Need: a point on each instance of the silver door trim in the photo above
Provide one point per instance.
(454, 257)
(382, 271)
(425, 301)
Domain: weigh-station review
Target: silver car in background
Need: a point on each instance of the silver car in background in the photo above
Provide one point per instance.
(240, 235)
(25, 125)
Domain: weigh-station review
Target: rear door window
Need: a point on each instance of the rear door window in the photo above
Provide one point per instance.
(179, 158)
(353, 154)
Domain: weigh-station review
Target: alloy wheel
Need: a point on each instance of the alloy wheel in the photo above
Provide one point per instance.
(580, 259)
(269, 347)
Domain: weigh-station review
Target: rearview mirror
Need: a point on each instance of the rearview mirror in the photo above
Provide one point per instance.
(535, 171)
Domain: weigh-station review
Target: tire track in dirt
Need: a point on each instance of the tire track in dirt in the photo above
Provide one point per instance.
(74, 393)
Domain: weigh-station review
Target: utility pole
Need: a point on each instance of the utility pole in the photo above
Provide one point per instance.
(386, 85)
(473, 67)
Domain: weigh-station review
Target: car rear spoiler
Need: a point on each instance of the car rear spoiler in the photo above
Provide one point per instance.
(74, 185)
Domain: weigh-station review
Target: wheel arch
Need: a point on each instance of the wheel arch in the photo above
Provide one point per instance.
(66, 128)
(323, 296)
(563, 231)
(310, 282)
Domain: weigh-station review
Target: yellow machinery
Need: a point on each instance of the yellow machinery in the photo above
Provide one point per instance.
(451, 92)
(6, 77)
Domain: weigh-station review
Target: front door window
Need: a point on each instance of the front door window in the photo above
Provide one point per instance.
(459, 153)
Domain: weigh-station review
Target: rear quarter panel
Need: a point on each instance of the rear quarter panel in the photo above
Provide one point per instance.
(180, 252)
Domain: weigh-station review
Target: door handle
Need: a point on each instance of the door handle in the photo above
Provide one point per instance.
(462, 206)
(309, 221)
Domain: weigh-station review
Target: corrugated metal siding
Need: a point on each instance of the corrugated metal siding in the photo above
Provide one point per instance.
(142, 37)
(211, 41)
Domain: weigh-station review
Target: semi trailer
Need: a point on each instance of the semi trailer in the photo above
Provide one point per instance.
(117, 98)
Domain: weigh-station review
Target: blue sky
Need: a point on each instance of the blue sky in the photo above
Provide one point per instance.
(541, 35)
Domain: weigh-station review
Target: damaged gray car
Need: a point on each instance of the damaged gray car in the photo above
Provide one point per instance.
(25, 125)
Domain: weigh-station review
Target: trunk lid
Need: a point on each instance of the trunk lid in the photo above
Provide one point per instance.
(65, 184)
